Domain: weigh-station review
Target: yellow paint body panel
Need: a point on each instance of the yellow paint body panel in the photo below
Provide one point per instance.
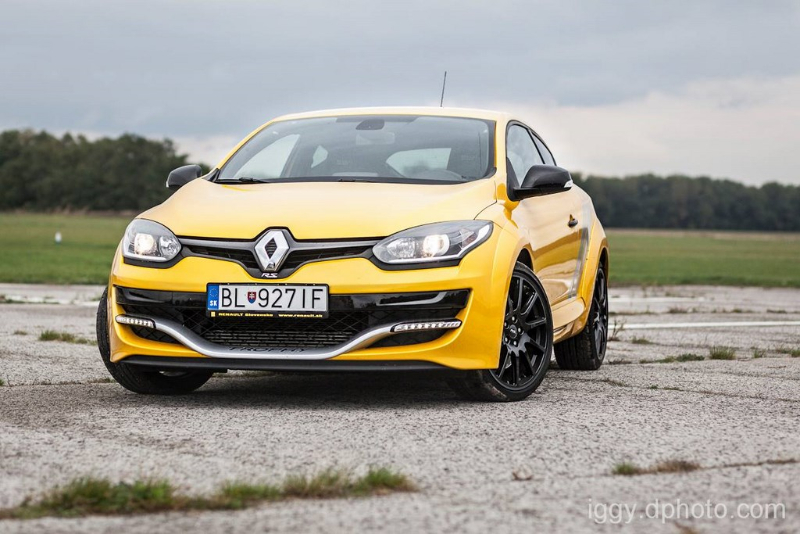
(316, 210)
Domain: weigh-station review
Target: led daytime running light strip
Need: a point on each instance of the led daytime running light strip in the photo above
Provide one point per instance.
(135, 321)
(438, 325)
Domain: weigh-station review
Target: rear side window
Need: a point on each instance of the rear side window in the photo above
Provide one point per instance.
(546, 155)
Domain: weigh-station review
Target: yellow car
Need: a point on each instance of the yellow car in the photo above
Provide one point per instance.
(364, 239)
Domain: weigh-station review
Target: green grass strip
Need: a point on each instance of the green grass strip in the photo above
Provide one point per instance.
(93, 496)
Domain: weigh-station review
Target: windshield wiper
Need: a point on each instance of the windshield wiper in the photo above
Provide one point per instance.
(254, 180)
(369, 179)
(246, 180)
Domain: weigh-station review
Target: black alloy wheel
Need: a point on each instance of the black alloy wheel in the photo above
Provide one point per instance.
(525, 349)
(586, 350)
(525, 334)
(600, 313)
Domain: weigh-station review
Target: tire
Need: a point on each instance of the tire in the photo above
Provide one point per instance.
(525, 349)
(138, 380)
(586, 350)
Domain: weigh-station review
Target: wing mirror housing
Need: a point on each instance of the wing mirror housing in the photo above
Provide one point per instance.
(542, 180)
(183, 175)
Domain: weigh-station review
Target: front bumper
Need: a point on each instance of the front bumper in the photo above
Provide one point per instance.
(354, 322)
(474, 344)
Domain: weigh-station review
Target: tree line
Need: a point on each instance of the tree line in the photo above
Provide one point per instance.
(649, 201)
(43, 172)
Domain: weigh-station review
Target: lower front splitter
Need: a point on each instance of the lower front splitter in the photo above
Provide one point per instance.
(239, 364)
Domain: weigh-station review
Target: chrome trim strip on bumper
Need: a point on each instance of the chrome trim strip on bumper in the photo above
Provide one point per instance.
(193, 341)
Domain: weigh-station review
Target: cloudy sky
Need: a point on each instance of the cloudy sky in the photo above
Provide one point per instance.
(617, 87)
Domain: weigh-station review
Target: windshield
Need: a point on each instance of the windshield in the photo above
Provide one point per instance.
(372, 148)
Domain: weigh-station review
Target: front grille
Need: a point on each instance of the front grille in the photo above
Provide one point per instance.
(349, 315)
(298, 257)
(294, 260)
(245, 257)
(300, 252)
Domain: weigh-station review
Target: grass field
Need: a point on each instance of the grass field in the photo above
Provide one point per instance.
(654, 257)
(28, 253)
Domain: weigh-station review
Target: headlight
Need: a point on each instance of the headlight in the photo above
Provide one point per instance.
(149, 241)
(433, 242)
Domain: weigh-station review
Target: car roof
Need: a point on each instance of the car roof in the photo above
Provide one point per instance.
(403, 110)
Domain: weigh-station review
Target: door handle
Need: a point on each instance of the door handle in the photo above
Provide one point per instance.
(573, 222)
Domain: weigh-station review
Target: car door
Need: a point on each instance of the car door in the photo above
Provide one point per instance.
(549, 221)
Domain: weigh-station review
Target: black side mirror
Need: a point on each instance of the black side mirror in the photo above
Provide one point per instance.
(542, 180)
(183, 175)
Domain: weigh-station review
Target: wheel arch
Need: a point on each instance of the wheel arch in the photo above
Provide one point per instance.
(597, 255)
(525, 257)
(604, 260)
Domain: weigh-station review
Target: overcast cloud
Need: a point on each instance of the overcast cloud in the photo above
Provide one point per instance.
(614, 87)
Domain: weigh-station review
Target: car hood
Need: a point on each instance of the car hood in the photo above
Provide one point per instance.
(317, 210)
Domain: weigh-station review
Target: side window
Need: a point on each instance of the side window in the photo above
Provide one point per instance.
(546, 155)
(521, 152)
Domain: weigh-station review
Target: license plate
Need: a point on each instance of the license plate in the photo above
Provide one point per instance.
(267, 300)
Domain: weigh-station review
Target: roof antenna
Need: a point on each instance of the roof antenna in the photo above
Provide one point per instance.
(444, 83)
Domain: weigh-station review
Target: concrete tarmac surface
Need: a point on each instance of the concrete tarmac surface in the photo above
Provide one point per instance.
(541, 465)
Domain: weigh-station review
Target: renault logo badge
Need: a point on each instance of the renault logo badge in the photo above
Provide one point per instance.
(272, 262)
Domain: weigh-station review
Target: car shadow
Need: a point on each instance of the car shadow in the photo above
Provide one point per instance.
(315, 391)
